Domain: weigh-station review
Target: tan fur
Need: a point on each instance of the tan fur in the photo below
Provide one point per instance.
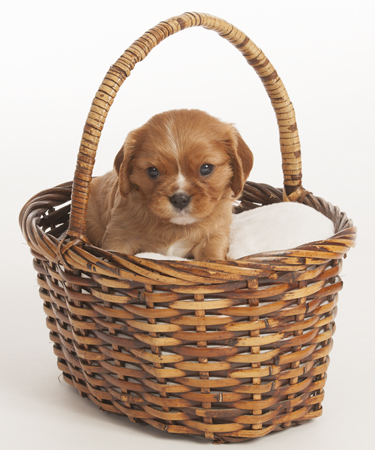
(130, 212)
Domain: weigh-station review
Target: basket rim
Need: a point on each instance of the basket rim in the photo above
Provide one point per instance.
(69, 251)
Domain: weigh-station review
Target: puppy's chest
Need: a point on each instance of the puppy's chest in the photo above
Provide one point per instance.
(180, 248)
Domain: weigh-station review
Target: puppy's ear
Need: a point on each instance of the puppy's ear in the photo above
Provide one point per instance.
(242, 160)
(246, 156)
(118, 160)
(123, 160)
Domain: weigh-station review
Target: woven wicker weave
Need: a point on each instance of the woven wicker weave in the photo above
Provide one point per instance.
(229, 350)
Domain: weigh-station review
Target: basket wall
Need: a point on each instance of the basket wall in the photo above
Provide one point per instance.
(226, 350)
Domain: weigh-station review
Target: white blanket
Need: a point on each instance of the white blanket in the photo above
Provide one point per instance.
(280, 226)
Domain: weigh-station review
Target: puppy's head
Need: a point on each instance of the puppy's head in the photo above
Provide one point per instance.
(181, 163)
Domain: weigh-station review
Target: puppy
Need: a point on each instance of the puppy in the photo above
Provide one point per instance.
(172, 188)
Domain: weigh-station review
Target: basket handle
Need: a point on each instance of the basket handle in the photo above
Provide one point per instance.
(117, 74)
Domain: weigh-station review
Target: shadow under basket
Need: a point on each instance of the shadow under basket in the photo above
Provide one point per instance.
(227, 350)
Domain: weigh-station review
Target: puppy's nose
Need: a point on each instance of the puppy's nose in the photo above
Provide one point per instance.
(180, 201)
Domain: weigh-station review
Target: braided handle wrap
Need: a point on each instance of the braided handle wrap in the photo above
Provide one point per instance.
(117, 74)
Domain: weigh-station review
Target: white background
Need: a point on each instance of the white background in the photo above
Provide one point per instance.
(53, 58)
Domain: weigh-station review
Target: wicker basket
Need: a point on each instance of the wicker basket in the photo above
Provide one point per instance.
(229, 350)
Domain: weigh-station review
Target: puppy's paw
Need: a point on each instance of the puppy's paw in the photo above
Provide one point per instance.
(120, 246)
(212, 249)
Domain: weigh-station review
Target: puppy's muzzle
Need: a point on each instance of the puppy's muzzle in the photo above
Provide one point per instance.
(180, 201)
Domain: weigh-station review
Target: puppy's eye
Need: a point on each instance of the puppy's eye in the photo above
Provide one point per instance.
(153, 172)
(206, 169)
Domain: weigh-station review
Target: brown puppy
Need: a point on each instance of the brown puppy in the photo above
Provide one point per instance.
(172, 188)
